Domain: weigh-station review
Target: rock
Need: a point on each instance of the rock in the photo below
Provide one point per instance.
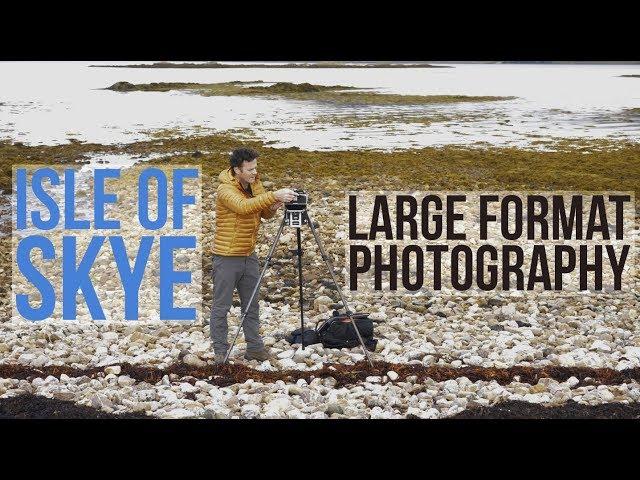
(126, 380)
(186, 387)
(566, 360)
(522, 351)
(633, 352)
(393, 376)
(322, 303)
(114, 369)
(295, 390)
(286, 354)
(432, 413)
(140, 407)
(300, 355)
(538, 388)
(278, 406)
(26, 358)
(474, 360)
(100, 401)
(334, 408)
(179, 413)
(194, 361)
(330, 382)
(378, 316)
(600, 346)
(606, 396)
(451, 386)
(250, 411)
(572, 382)
(63, 395)
(110, 337)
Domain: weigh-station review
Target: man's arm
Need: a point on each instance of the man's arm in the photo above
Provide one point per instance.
(238, 203)
(271, 211)
(267, 213)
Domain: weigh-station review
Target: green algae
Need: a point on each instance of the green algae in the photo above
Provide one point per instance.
(572, 165)
(377, 119)
(339, 94)
(151, 87)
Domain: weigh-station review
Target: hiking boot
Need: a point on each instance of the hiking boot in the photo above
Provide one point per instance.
(218, 358)
(260, 355)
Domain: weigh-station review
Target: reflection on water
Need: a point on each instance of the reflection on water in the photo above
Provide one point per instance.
(48, 103)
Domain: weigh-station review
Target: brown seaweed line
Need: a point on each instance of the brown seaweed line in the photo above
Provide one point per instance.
(225, 375)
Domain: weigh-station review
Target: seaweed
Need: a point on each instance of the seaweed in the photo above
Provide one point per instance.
(340, 94)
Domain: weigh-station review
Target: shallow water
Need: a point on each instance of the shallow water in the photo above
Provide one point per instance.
(51, 102)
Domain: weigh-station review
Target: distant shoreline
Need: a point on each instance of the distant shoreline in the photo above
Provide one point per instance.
(329, 64)
(278, 65)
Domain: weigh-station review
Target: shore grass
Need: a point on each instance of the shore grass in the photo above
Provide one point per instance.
(339, 94)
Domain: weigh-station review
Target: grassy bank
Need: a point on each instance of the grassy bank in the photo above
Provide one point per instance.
(339, 94)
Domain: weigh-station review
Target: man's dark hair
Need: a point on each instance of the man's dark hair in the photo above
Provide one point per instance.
(240, 155)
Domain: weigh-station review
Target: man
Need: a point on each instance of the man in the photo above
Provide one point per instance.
(242, 202)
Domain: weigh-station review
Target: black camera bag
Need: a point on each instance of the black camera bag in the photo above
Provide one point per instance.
(310, 336)
(338, 331)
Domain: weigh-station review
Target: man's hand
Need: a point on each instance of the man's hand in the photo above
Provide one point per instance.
(285, 195)
(276, 206)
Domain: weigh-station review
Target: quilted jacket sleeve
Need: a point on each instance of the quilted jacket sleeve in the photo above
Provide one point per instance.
(267, 213)
(238, 203)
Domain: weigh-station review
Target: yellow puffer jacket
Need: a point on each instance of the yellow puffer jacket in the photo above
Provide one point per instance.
(238, 215)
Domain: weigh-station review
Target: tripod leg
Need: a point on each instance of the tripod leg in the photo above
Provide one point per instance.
(327, 260)
(300, 283)
(255, 289)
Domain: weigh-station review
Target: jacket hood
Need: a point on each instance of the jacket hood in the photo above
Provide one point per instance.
(227, 177)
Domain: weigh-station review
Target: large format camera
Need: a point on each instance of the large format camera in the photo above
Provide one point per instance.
(296, 210)
(299, 203)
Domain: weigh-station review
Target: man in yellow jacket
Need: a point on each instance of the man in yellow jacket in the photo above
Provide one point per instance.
(242, 202)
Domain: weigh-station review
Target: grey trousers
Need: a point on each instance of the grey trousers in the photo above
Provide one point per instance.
(230, 273)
